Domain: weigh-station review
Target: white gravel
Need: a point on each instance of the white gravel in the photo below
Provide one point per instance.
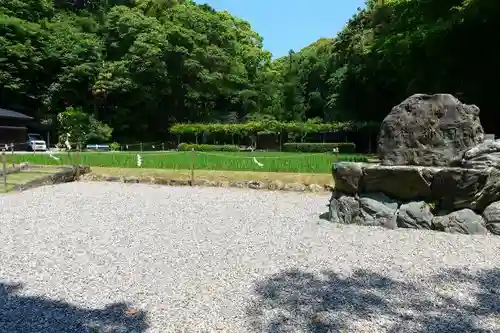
(229, 260)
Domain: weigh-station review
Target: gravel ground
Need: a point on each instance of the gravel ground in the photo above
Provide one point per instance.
(109, 257)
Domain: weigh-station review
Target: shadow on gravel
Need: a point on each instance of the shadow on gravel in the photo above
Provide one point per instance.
(30, 314)
(295, 301)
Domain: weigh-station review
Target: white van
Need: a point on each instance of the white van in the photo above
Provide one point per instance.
(36, 142)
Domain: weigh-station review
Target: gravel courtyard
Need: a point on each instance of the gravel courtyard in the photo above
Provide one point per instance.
(109, 257)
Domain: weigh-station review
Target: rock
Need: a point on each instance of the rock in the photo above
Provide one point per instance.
(347, 176)
(199, 182)
(490, 192)
(382, 198)
(401, 182)
(180, 182)
(256, 184)
(238, 184)
(223, 183)
(365, 210)
(113, 179)
(276, 185)
(463, 221)
(329, 188)
(161, 181)
(343, 209)
(376, 213)
(447, 187)
(428, 130)
(315, 188)
(491, 215)
(484, 155)
(415, 215)
(457, 188)
(296, 187)
(131, 179)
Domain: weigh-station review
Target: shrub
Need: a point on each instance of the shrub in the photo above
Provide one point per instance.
(115, 146)
(344, 147)
(188, 147)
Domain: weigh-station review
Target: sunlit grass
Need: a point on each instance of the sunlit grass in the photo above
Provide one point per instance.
(244, 161)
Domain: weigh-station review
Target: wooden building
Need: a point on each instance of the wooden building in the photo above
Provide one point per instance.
(13, 127)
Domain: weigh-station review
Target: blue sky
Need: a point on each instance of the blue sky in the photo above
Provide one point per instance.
(286, 24)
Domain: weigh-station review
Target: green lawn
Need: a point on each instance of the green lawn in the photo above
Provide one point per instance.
(24, 177)
(242, 161)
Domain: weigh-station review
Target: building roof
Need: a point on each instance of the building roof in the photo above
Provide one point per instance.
(13, 114)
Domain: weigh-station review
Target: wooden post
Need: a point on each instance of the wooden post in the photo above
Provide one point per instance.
(77, 165)
(4, 169)
(193, 162)
(141, 145)
(162, 146)
(12, 153)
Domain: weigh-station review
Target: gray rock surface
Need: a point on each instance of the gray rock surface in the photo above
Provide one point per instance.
(400, 182)
(376, 213)
(428, 130)
(348, 177)
(415, 215)
(463, 221)
(491, 215)
(484, 155)
(450, 188)
(370, 210)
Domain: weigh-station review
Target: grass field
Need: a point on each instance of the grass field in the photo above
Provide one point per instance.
(217, 175)
(244, 161)
(25, 176)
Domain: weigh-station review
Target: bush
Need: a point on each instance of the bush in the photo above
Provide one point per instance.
(298, 147)
(189, 147)
(115, 146)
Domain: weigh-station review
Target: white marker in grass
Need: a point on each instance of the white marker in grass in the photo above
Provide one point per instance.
(53, 157)
(257, 162)
(68, 145)
(139, 160)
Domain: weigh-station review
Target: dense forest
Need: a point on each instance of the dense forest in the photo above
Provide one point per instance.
(140, 66)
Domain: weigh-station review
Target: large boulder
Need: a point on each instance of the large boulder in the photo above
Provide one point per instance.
(428, 130)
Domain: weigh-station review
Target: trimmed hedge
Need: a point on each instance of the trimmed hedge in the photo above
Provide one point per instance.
(299, 147)
(189, 147)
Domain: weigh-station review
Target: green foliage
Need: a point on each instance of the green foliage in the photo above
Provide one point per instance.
(115, 146)
(81, 128)
(142, 66)
(231, 161)
(190, 147)
(343, 147)
(266, 127)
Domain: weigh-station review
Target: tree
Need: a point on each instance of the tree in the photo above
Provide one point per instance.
(81, 128)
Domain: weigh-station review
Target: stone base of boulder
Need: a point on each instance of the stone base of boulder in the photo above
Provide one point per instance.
(457, 200)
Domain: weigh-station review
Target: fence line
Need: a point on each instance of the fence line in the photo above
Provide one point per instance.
(319, 163)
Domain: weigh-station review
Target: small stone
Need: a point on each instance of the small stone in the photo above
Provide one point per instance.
(315, 188)
(180, 182)
(276, 185)
(238, 184)
(296, 187)
(223, 183)
(131, 179)
(256, 184)
(199, 182)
